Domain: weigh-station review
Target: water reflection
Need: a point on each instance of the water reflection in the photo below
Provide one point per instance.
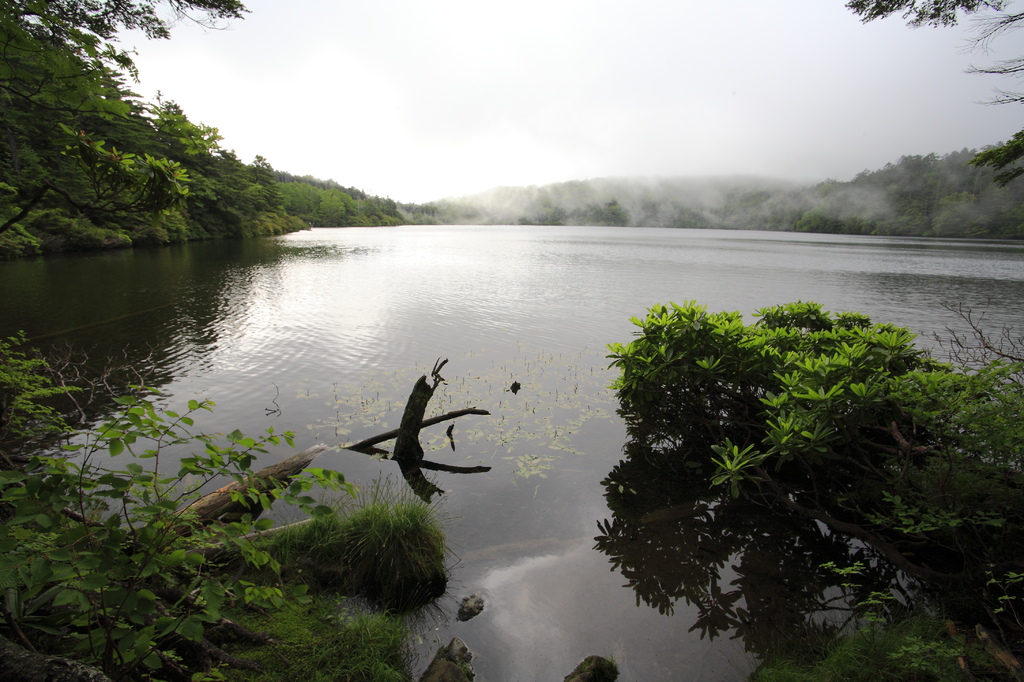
(750, 573)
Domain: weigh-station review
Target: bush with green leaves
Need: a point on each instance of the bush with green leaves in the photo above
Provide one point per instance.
(840, 420)
(101, 550)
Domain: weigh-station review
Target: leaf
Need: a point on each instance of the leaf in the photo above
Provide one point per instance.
(191, 628)
(94, 581)
(69, 596)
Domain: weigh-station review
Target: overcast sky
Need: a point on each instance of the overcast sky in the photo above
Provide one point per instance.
(425, 99)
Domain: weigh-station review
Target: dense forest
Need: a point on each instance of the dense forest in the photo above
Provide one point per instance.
(60, 202)
(86, 164)
(927, 196)
(325, 203)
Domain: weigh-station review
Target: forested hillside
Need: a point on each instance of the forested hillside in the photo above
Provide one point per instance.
(930, 196)
(70, 175)
(86, 164)
(325, 203)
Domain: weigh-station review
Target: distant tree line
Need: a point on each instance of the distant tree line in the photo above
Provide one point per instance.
(927, 196)
(325, 203)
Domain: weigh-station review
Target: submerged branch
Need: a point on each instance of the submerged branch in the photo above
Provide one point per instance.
(365, 445)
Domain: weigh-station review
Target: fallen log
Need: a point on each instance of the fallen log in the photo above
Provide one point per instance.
(1000, 653)
(20, 665)
(219, 504)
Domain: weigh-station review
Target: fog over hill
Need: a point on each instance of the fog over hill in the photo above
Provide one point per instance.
(729, 202)
(918, 195)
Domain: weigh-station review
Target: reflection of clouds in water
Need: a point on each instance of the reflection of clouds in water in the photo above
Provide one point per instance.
(554, 610)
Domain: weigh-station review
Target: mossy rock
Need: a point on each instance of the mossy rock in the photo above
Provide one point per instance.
(594, 669)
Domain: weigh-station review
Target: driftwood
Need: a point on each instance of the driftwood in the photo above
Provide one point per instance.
(219, 505)
(408, 451)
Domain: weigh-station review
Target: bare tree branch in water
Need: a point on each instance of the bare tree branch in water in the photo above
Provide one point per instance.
(978, 347)
(86, 390)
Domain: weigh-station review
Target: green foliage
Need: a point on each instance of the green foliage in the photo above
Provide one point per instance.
(100, 546)
(105, 170)
(125, 180)
(952, 195)
(846, 419)
(913, 649)
(1006, 159)
(327, 204)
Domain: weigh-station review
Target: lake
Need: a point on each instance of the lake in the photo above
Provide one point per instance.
(324, 332)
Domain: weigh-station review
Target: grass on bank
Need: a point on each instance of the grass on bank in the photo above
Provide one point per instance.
(320, 643)
(389, 546)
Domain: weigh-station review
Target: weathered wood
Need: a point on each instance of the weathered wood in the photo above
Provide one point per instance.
(219, 505)
(407, 442)
(424, 488)
(20, 665)
(1000, 653)
(366, 446)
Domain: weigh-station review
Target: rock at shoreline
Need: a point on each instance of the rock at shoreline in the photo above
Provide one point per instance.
(450, 664)
(471, 606)
(594, 669)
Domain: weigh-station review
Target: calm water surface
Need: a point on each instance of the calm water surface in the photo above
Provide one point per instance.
(324, 332)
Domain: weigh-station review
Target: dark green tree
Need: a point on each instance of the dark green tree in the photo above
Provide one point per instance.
(61, 81)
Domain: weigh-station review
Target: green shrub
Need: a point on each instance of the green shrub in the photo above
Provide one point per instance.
(25, 390)
(100, 549)
(17, 242)
(842, 421)
(913, 649)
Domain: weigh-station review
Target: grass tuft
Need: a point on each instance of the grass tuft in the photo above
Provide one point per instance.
(391, 548)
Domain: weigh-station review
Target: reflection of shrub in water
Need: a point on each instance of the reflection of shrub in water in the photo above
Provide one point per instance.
(392, 548)
(746, 571)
